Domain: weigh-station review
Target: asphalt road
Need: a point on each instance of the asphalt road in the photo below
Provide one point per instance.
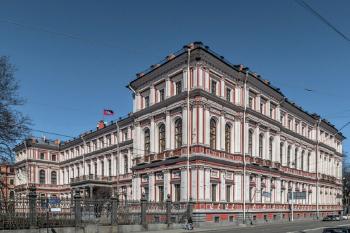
(295, 227)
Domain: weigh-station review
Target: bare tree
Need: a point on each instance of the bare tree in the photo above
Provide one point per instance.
(13, 124)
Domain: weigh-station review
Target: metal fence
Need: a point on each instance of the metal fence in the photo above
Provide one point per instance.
(32, 212)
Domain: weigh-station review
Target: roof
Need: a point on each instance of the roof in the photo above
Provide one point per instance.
(238, 68)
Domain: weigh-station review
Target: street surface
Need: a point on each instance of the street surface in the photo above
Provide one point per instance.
(296, 227)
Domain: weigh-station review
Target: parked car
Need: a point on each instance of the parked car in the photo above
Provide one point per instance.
(332, 218)
(337, 230)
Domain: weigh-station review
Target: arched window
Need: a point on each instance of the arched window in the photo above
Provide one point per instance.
(227, 138)
(281, 152)
(261, 145)
(296, 158)
(147, 144)
(53, 177)
(42, 177)
(302, 160)
(250, 142)
(161, 138)
(212, 134)
(178, 133)
(289, 150)
(270, 148)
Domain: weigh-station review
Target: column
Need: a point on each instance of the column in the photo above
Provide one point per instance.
(151, 187)
(168, 130)
(183, 184)
(201, 184)
(223, 185)
(206, 126)
(200, 124)
(222, 86)
(221, 134)
(207, 184)
(167, 87)
(194, 184)
(184, 125)
(238, 187)
(194, 124)
(136, 186)
(152, 135)
(237, 136)
(152, 95)
(167, 185)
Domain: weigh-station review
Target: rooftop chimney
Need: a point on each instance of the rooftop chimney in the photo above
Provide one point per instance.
(101, 124)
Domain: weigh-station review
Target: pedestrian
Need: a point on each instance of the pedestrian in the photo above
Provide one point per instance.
(189, 225)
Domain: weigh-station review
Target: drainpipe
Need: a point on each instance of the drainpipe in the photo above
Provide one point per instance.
(27, 164)
(317, 178)
(188, 121)
(243, 149)
(117, 158)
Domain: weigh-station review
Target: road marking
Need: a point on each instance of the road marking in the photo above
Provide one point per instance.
(319, 228)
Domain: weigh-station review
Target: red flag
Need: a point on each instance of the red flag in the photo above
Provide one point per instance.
(108, 112)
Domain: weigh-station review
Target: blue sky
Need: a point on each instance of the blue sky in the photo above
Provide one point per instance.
(68, 82)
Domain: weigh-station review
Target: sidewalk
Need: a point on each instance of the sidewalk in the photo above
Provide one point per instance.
(227, 227)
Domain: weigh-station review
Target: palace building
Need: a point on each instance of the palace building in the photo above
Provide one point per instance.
(201, 130)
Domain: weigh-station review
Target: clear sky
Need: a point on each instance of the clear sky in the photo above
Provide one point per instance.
(74, 58)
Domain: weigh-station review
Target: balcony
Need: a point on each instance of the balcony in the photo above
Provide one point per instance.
(90, 179)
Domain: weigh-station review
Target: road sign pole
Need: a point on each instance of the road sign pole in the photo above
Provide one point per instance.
(292, 218)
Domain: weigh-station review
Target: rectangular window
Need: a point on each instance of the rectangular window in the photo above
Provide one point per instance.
(161, 95)
(53, 157)
(290, 124)
(251, 100)
(42, 156)
(228, 193)
(101, 143)
(108, 140)
(146, 101)
(161, 193)
(88, 145)
(109, 167)
(177, 190)
(125, 135)
(213, 192)
(262, 105)
(94, 144)
(228, 94)
(273, 111)
(178, 87)
(213, 87)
